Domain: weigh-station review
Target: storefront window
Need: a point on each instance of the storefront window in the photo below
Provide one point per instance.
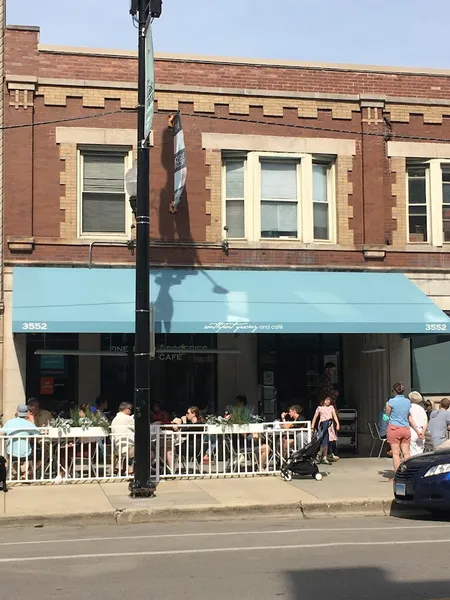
(177, 379)
(52, 379)
(294, 363)
(430, 364)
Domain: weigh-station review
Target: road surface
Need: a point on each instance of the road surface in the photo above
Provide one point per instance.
(263, 559)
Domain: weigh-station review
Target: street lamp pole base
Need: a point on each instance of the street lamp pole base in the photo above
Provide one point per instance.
(142, 491)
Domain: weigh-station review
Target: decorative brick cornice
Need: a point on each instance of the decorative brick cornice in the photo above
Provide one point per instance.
(21, 91)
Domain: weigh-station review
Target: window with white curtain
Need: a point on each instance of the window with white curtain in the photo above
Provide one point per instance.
(279, 196)
(103, 201)
(279, 199)
(321, 197)
(235, 197)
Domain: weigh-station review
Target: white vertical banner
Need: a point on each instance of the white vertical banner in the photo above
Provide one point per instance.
(149, 80)
(180, 169)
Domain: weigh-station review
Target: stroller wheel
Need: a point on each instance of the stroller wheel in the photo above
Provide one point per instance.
(318, 476)
(287, 475)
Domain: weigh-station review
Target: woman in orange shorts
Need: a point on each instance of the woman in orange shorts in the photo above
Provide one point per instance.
(400, 420)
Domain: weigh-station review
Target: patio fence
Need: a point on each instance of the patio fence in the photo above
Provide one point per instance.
(192, 451)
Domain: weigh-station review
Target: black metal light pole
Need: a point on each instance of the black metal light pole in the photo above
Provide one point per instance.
(142, 485)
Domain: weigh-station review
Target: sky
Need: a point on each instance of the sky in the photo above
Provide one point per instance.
(386, 32)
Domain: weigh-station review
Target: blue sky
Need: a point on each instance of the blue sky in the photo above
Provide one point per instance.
(386, 32)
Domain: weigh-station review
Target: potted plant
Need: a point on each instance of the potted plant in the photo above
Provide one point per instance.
(84, 424)
(240, 420)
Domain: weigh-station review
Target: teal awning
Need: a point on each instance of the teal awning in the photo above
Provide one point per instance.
(98, 300)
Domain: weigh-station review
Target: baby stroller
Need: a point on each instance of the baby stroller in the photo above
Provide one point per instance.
(303, 462)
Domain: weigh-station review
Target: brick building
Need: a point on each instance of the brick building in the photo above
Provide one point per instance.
(317, 208)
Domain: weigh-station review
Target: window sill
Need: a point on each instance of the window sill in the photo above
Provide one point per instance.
(417, 247)
(21, 244)
(120, 237)
(287, 244)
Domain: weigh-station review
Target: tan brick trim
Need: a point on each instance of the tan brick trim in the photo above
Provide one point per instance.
(213, 161)
(399, 234)
(267, 143)
(240, 105)
(418, 150)
(91, 97)
(68, 201)
(401, 113)
(96, 135)
(344, 211)
(95, 93)
(176, 87)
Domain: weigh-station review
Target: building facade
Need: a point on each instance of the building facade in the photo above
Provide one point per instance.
(315, 227)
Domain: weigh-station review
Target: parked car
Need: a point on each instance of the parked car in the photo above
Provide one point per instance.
(424, 482)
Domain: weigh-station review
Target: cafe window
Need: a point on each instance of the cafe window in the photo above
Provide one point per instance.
(177, 379)
(52, 379)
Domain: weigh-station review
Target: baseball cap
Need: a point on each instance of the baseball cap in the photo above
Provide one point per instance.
(22, 410)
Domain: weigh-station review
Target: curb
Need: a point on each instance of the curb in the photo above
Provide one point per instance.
(205, 512)
(359, 507)
(210, 512)
(94, 518)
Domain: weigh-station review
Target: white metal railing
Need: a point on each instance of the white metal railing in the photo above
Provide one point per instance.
(185, 451)
(54, 455)
(220, 451)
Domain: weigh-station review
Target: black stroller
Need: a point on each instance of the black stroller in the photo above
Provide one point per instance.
(304, 461)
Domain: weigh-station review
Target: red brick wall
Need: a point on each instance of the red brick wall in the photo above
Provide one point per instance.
(22, 57)
(32, 160)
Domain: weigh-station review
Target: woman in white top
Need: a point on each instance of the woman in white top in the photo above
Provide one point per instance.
(420, 418)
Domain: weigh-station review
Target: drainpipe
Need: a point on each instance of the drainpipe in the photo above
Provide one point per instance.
(128, 244)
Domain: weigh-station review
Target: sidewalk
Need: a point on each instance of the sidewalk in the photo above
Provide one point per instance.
(355, 485)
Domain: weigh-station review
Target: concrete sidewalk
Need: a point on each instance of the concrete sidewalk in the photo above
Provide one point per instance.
(357, 485)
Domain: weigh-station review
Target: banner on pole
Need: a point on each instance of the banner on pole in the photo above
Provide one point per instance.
(180, 169)
(149, 80)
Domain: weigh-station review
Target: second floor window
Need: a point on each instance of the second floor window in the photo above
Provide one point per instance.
(279, 199)
(428, 201)
(417, 204)
(103, 202)
(269, 196)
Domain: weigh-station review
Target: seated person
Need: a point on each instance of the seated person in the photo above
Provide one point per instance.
(19, 450)
(100, 407)
(291, 420)
(122, 434)
(42, 417)
(241, 402)
(192, 417)
(383, 422)
(158, 415)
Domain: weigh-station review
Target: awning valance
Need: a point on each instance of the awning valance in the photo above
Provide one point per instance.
(101, 300)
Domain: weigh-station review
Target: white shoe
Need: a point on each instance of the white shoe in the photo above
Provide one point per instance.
(58, 479)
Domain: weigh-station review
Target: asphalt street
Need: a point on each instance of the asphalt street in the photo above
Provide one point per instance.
(261, 559)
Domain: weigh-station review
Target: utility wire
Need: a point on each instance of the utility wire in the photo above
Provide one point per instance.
(388, 134)
(68, 119)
